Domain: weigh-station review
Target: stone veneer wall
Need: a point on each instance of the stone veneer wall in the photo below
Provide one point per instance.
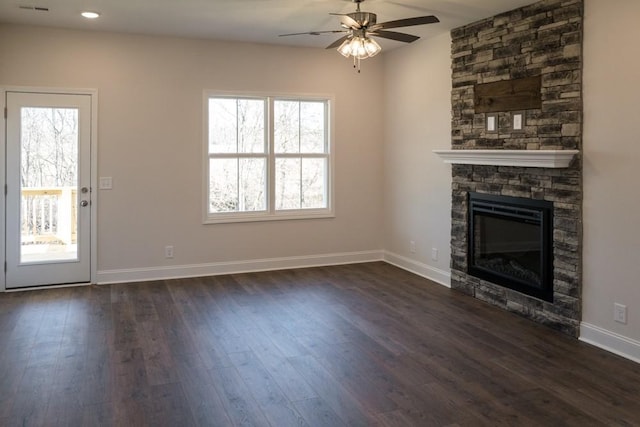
(544, 39)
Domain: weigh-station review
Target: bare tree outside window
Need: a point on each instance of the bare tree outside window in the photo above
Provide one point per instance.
(49, 155)
(237, 182)
(299, 128)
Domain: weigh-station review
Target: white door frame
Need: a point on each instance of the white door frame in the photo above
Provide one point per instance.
(93, 93)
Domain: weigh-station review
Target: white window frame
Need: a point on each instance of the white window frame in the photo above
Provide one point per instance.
(270, 214)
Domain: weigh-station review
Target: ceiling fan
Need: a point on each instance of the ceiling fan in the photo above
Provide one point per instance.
(360, 26)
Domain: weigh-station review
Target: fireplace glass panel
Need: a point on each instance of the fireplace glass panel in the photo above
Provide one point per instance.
(510, 243)
(508, 247)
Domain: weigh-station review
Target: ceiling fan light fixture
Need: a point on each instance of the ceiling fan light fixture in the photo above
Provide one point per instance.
(359, 26)
(359, 47)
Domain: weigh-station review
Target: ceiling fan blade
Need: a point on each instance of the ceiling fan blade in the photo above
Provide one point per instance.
(408, 22)
(338, 42)
(349, 22)
(401, 37)
(313, 33)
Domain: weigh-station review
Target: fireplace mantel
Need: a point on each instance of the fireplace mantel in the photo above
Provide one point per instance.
(523, 158)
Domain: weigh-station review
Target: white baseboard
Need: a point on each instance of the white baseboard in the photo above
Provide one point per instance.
(231, 267)
(434, 274)
(610, 341)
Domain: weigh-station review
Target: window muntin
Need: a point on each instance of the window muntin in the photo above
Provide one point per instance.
(268, 158)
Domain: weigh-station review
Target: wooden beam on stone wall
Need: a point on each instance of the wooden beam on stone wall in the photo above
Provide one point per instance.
(508, 95)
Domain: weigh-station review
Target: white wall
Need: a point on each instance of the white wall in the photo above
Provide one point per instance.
(417, 184)
(150, 142)
(611, 179)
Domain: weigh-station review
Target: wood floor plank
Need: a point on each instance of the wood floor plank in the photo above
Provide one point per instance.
(290, 381)
(65, 405)
(274, 404)
(168, 406)
(556, 411)
(579, 392)
(158, 359)
(239, 403)
(130, 375)
(364, 344)
(257, 379)
(202, 397)
(318, 413)
(362, 377)
(332, 392)
(97, 415)
(99, 383)
(126, 332)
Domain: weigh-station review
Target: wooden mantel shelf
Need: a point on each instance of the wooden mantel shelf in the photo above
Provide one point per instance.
(523, 158)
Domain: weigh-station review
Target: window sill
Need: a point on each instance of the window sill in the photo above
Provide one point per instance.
(260, 217)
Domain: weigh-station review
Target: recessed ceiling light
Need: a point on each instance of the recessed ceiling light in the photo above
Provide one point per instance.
(90, 15)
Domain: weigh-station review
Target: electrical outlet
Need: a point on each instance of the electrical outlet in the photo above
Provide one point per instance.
(412, 247)
(434, 254)
(168, 251)
(620, 313)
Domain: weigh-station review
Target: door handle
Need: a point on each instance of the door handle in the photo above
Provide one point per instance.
(84, 203)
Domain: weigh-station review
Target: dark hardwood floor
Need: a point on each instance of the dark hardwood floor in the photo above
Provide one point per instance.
(363, 345)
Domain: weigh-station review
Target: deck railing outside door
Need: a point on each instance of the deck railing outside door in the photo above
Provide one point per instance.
(49, 215)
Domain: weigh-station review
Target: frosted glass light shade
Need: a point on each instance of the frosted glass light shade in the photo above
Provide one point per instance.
(359, 47)
(345, 48)
(372, 47)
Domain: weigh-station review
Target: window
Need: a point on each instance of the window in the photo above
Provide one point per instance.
(268, 158)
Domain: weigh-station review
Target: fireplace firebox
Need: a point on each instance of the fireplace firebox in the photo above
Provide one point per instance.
(511, 243)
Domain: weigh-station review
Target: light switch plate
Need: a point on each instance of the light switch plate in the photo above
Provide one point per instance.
(106, 183)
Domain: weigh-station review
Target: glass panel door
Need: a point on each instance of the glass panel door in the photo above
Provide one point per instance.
(48, 191)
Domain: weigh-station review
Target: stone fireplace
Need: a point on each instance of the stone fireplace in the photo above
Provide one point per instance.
(545, 40)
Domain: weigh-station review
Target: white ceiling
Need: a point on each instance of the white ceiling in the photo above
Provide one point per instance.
(258, 21)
